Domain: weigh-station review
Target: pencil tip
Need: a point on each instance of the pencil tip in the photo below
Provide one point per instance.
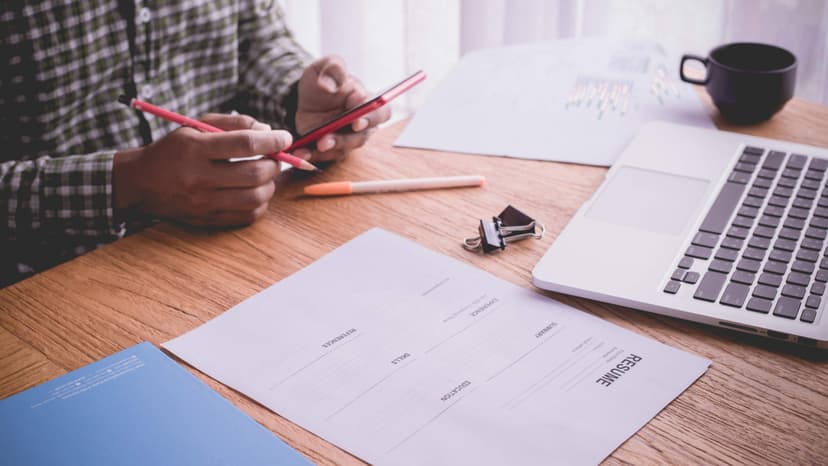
(124, 99)
(309, 166)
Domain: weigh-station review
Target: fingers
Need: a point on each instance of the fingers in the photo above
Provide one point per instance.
(247, 174)
(331, 73)
(242, 143)
(229, 122)
(224, 219)
(331, 147)
(241, 199)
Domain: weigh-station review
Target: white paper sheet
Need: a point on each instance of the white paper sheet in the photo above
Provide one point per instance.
(574, 100)
(403, 356)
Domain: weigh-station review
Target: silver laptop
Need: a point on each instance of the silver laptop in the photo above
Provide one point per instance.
(710, 226)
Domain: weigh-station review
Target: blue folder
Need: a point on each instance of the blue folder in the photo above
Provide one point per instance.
(136, 407)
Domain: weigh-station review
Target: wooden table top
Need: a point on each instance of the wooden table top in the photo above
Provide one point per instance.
(760, 401)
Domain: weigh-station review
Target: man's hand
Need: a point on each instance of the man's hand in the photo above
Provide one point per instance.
(326, 90)
(185, 176)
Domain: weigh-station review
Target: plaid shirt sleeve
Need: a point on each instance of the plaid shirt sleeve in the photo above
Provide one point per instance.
(270, 62)
(69, 196)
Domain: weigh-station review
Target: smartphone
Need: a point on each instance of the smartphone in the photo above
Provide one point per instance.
(345, 118)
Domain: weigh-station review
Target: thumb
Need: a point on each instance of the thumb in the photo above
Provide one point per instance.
(234, 122)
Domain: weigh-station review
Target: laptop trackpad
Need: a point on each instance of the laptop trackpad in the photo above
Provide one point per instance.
(649, 200)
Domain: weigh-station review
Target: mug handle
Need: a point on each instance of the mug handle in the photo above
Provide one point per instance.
(690, 80)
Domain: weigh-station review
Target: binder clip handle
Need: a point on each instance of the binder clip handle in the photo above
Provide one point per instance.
(511, 225)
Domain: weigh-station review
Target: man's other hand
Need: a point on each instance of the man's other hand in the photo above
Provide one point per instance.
(326, 90)
(185, 176)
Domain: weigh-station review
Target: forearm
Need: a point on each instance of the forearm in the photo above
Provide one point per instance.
(68, 196)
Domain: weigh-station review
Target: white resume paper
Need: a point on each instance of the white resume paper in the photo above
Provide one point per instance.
(403, 356)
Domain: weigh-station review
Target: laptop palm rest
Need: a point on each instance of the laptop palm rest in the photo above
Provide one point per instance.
(649, 200)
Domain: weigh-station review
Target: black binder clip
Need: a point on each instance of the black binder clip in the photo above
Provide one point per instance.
(510, 225)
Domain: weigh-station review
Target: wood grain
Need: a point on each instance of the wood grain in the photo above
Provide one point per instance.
(760, 401)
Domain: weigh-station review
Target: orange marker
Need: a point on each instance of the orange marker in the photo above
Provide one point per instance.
(339, 188)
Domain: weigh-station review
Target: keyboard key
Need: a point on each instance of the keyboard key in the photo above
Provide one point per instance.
(808, 316)
(739, 177)
(678, 275)
(699, 252)
(753, 201)
(793, 291)
(797, 161)
(806, 193)
(754, 253)
(791, 173)
(816, 164)
(691, 277)
(743, 222)
(812, 244)
(803, 267)
(747, 211)
(803, 203)
(735, 294)
(672, 287)
(774, 160)
(758, 192)
(795, 223)
(799, 279)
(742, 277)
(818, 288)
(729, 255)
(807, 255)
(764, 232)
(750, 158)
(778, 201)
(733, 243)
(722, 208)
(686, 262)
(774, 211)
(819, 222)
(796, 212)
(769, 221)
(710, 286)
(759, 305)
(721, 266)
(766, 292)
(813, 301)
(759, 242)
(767, 174)
(787, 307)
(821, 212)
(764, 183)
(787, 182)
(821, 276)
(770, 279)
(737, 232)
(705, 239)
(810, 182)
(822, 202)
(746, 167)
(782, 191)
(779, 255)
(748, 265)
(785, 244)
(790, 233)
(778, 268)
(814, 232)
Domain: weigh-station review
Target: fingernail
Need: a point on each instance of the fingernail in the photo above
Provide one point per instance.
(361, 124)
(326, 143)
(328, 83)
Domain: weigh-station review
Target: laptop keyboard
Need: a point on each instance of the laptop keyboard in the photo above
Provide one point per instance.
(761, 243)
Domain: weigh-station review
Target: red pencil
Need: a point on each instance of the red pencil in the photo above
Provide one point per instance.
(201, 126)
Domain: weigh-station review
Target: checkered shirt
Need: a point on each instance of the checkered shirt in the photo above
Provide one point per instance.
(63, 64)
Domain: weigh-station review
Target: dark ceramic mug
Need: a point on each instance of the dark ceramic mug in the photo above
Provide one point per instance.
(748, 82)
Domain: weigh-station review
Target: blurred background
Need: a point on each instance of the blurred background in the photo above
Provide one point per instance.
(384, 40)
